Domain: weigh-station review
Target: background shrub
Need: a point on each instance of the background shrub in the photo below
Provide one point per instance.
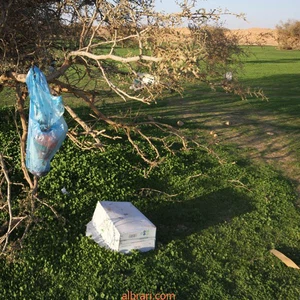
(289, 35)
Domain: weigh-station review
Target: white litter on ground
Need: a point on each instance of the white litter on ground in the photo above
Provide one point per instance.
(228, 76)
(120, 226)
(142, 80)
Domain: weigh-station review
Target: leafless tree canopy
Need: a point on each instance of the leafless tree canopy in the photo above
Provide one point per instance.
(125, 47)
(87, 46)
(88, 32)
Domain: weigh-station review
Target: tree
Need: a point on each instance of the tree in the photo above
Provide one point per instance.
(288, 35)
(85, 38)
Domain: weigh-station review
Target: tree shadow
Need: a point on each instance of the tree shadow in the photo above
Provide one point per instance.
(200, 103)
(176, 220)
(273, 61)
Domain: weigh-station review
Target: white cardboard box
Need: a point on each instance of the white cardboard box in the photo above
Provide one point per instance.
(122, 227)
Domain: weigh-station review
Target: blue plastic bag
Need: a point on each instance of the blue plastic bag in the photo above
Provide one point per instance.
(47, 128)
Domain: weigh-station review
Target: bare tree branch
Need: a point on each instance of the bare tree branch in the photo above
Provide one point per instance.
(115, 57)
(8, 200)
(21, 95)
(88, 130)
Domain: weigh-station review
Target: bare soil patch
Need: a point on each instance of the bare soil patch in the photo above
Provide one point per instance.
(251, 36)
(256, 36)
(259, 133)
(265, 140)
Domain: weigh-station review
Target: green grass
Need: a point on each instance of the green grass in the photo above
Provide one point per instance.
(268, 129)
(216, 223)
(7, 97)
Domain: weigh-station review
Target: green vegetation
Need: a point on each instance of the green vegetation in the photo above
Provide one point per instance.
(217, 214)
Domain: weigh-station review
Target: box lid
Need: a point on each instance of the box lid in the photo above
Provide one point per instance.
(126, 218)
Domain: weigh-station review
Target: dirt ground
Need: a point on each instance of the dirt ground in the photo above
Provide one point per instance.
(259, 133)
(258, 36)
(251, 36)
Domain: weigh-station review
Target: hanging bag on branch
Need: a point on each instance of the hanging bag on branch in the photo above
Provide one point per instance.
(47, 128)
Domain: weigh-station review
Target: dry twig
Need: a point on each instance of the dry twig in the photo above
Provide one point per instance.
(8, 201)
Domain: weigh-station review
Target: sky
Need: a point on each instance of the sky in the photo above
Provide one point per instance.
(259, 13)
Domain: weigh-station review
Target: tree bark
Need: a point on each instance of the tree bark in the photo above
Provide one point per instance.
(21, 96)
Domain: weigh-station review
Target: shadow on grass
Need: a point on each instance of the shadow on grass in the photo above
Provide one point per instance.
(273, 61)
(177, 220)
(252, 121)
(283, 92)
(270, 128)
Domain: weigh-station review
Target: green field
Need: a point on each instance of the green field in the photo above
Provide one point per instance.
(218, 214)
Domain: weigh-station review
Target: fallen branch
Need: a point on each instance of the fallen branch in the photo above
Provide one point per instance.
(149, 190)
(21, 78)
(8, 200)
(114, 57)
(84, 126)
(237, 183)
(57, 215)
(21, 96)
